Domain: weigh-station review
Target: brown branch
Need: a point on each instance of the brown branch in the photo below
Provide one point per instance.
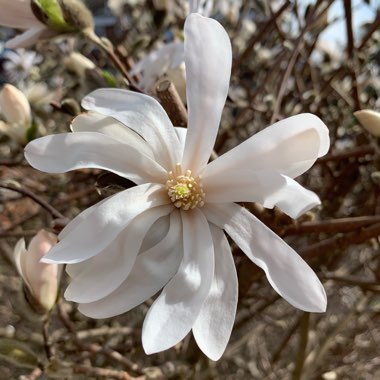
(340, 241)
(351, 53)
(265, 28)
(302, 345)
(105, 372)
(372, 29)
(330, 226)
(347, 153)
(28, 193)
(172, 103)
(293, 58)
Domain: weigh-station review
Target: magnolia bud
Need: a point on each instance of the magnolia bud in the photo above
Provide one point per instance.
(14, 106)
(41, 279)
(370, 120)
(63, 16)
(78, 63)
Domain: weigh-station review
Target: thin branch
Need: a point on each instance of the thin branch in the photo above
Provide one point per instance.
(28, 193)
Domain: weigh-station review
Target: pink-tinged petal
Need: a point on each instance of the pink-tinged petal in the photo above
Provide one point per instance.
(144, 115)
(69, 151)
(106, 222)
(102, 274)
(208, 58)
(173, 314)
(213, 327)
(287, 272)
(94, 122)
(17, 14)
(27, 38)
(266, 187)
(152, 270)
(290, 146)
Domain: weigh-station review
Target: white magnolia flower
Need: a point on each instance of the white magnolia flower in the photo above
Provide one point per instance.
(167, 232)
(18, 14)
(166, 61)
(41, 279)
(20, 63)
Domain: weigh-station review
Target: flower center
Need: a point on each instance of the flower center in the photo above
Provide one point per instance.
(185, 191)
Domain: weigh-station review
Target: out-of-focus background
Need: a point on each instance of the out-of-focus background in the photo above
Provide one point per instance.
(289, 57)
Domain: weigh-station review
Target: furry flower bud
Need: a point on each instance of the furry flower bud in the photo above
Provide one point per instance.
(370, 120)
(14, 106)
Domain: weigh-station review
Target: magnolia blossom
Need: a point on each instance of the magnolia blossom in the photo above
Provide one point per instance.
(15, 110)
(41, 279)
(166, 61)
(169, 231)
(18, 14)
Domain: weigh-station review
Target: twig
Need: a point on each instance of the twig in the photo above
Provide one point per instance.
(108, 48)
(92, 347)
(54, 212)
(335, 225)
(104, 372)
(340, 241)
(302, 345)
(269, 24)
(172, 103)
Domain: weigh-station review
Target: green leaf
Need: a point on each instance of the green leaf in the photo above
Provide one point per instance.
(110, 79)
(17, 353)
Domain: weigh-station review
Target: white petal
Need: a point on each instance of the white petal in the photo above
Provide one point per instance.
(173, 314)
(144, 115)
(286, 271)
(152, 270)
(156, 233)
(17, 14)
(28, 38)
(69, 151)
(105, 223)
(265, 187)
(290, 146)
(94, 122)
(212, 329)
(181, 133)
(293, 199)
(74, 223)
(102, 274)
(208, 59)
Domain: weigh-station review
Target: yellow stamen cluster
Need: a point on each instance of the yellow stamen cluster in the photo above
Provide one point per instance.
(185, 191)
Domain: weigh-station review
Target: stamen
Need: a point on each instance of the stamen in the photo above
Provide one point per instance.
(185, 191)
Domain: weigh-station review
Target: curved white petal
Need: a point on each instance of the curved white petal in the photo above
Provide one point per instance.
(292, 199)
(208, 59)
(144, 115)
(95, 122)
(152, 270)
(287, 272)
(173, 314)
(102, 274)
(266, 187)
(69, 151)
(27, 38)
(74, 223)
(106, 222)
(156, 233)
(17, 14)
(290, 146)
(213, 327)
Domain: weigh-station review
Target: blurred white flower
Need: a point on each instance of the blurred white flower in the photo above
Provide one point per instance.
(20, 63)
(370, 120)
(16, 112)
(42, 280)
(167, 232)
(166, 61)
